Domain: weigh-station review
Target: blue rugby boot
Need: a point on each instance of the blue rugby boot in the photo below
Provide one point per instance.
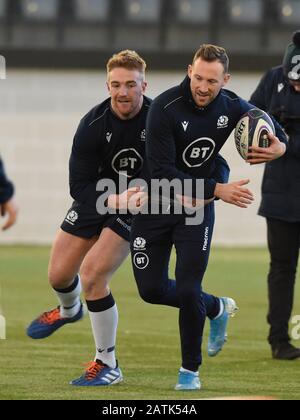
(99, 374)
(218, 327)
(188, 381)
(47, 323)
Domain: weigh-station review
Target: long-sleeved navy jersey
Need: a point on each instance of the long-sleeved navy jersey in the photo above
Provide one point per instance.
(6, 187)
(104, 147)
(183, 140)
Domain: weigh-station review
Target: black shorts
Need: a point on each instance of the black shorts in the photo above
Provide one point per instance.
(84, 221)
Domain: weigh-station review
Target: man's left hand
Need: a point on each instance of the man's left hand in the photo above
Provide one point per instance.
(258, 155)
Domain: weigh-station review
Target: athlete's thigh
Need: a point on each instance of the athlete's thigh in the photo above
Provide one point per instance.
(151, 264)
(151, 247)
(106, 255)
(193, 244)
(67, 254)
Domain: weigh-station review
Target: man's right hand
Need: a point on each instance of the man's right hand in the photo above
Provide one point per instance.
(235, 193)
(133, 200)
(9, 209)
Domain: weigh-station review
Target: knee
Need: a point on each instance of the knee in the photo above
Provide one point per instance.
(283, 270)
(58, 278)
(150, 294)
(189, 295)
(94, 279)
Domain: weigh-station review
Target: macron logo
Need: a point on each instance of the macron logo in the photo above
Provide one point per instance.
(280, 87)
(108, 137)
(185, 125)
(206, 238)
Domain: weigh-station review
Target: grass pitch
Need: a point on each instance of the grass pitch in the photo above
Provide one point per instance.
(148, 344)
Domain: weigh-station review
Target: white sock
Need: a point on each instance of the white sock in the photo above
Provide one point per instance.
(188, 371)
(104, 319)
(221, 310)
(70, 299)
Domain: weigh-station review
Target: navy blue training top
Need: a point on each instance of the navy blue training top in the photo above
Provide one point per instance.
(184, 140)
(105, 147)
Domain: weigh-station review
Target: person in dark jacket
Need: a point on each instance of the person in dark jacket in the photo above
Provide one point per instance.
(279, 94)
(7, 204)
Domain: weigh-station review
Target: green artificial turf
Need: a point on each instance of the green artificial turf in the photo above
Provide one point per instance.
(148, 343)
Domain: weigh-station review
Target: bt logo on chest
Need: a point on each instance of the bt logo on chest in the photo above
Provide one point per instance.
(128, 162)
(199, 152)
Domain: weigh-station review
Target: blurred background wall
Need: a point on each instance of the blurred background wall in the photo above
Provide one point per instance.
(56, 51)
(82, 33)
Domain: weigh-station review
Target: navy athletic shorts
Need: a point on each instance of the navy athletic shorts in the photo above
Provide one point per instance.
(85, 222)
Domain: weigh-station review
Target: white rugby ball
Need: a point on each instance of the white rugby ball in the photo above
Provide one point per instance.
(252, 130)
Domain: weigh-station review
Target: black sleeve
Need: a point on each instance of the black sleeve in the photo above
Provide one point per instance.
(260, 99)
(6, 187)
(279, 131)
(84, 165)
(294, 146)
(260, 96)
(221, 171)
(161, 152)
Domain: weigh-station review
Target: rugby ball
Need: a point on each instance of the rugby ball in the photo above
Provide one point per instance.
(252, 130)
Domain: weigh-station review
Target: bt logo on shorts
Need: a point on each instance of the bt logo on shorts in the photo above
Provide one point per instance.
(128, 162)
(198, 152)
(141, 260)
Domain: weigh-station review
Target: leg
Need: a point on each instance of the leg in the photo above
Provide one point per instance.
(99, 265)
(284, 242)
(151, 271)
(189, 274)
(152, 280)
(155, 286)
(67, 254)
(193, 249)
(101, 262)
(66, 258)
(150, 251)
